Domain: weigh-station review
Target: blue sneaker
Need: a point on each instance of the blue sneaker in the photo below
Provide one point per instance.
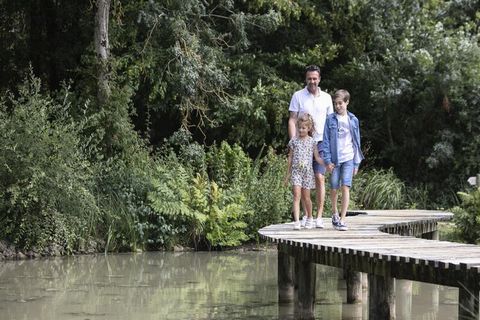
(335, 219)
(341, 226)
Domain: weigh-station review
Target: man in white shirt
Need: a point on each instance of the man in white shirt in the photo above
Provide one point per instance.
(318, 104)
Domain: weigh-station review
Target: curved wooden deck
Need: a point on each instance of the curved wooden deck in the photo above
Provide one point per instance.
(385, 244)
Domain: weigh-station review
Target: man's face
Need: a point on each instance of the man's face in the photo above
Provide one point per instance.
(312, 78)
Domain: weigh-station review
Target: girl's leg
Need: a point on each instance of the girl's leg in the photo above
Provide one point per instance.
(296, 190)
(345, 202)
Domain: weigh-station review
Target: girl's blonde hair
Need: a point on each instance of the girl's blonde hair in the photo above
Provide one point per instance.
(307, 119)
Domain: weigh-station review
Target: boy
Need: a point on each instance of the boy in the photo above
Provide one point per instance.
(342, 154)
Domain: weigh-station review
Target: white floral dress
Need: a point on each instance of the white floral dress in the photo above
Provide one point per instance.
(302, 169)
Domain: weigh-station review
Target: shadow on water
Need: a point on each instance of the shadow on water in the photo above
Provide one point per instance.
(201, 285)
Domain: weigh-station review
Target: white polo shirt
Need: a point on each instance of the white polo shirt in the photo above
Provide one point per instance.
(318, 106)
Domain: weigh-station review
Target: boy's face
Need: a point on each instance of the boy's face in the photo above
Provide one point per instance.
(341, 106)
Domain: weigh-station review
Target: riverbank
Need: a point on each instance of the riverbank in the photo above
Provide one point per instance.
(10, 252)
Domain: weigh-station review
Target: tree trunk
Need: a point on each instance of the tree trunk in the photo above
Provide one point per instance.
(102, 49)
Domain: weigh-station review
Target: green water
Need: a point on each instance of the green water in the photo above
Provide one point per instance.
(165, 285)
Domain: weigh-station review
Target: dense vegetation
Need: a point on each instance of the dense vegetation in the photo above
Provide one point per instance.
(186, 143)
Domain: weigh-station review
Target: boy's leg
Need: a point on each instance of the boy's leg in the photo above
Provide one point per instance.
(346, 176)
(333, 199)
(345, 202)
(334, 185)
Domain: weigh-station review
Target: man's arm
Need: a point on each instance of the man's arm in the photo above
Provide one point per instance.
(292, 124)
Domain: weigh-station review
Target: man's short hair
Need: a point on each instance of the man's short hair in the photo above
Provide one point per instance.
(311, 68)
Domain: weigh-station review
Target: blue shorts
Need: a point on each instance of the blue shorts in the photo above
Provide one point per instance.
(343, 173)
(318, 168)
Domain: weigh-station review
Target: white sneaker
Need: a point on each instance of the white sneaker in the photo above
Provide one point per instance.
(297, 226)
(304, 221)
(309, 224)
(319, 223)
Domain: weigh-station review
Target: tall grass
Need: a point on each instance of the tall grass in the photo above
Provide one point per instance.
(379, 189)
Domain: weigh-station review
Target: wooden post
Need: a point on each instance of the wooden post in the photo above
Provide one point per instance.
(354, 285)
(381, 297)
(433, 235)
(305, 278)
(468, 307)
(364, 281)
(404, 299)
(285, 281)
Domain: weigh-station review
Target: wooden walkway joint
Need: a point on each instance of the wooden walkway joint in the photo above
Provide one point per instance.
(386, 245)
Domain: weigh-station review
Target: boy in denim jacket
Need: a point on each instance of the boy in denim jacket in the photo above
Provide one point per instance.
(342, 154)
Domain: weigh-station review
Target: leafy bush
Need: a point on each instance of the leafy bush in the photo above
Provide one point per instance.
(201, 210)
(379, 189)
(45, 180)
(467, 216)
(268, 197)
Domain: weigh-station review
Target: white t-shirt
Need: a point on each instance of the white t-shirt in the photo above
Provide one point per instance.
(344, 142)
(318, 107)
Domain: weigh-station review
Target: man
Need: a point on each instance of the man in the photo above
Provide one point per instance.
(318, 104)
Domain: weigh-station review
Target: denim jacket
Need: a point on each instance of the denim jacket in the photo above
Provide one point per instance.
(330, 139)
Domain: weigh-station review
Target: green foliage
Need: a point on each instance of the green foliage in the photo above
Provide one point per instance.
(201, 209)
(45, 179)
(268, 197)
(467, 216)
(261, 182)
(228, 166)
(379, 189)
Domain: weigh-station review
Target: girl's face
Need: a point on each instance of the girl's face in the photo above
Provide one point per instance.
(303, 129)
(341, 106)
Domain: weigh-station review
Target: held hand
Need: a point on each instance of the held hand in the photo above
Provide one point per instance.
(330, 167)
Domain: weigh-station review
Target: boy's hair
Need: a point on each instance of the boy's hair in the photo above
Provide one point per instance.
(342, 94)
(306, 118)
(312, 68)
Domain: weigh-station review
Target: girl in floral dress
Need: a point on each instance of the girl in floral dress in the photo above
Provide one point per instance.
(300, 169)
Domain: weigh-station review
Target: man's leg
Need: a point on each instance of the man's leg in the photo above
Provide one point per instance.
(320, 192)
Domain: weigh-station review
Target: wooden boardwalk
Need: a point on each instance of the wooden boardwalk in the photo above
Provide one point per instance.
(386, 245)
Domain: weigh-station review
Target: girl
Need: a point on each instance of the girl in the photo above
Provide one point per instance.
(300, 169)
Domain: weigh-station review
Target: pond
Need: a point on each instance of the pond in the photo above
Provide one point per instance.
(188, 285)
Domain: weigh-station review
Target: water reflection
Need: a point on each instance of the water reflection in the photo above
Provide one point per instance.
(226, 285)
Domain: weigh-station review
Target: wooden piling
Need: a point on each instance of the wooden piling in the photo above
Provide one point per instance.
(285, 280)
(468, 306)
(381, 297)
(305, 279)
(354, 285)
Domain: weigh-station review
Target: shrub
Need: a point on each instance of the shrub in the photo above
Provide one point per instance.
(45, 180)
(203, 212)
(467, 216)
